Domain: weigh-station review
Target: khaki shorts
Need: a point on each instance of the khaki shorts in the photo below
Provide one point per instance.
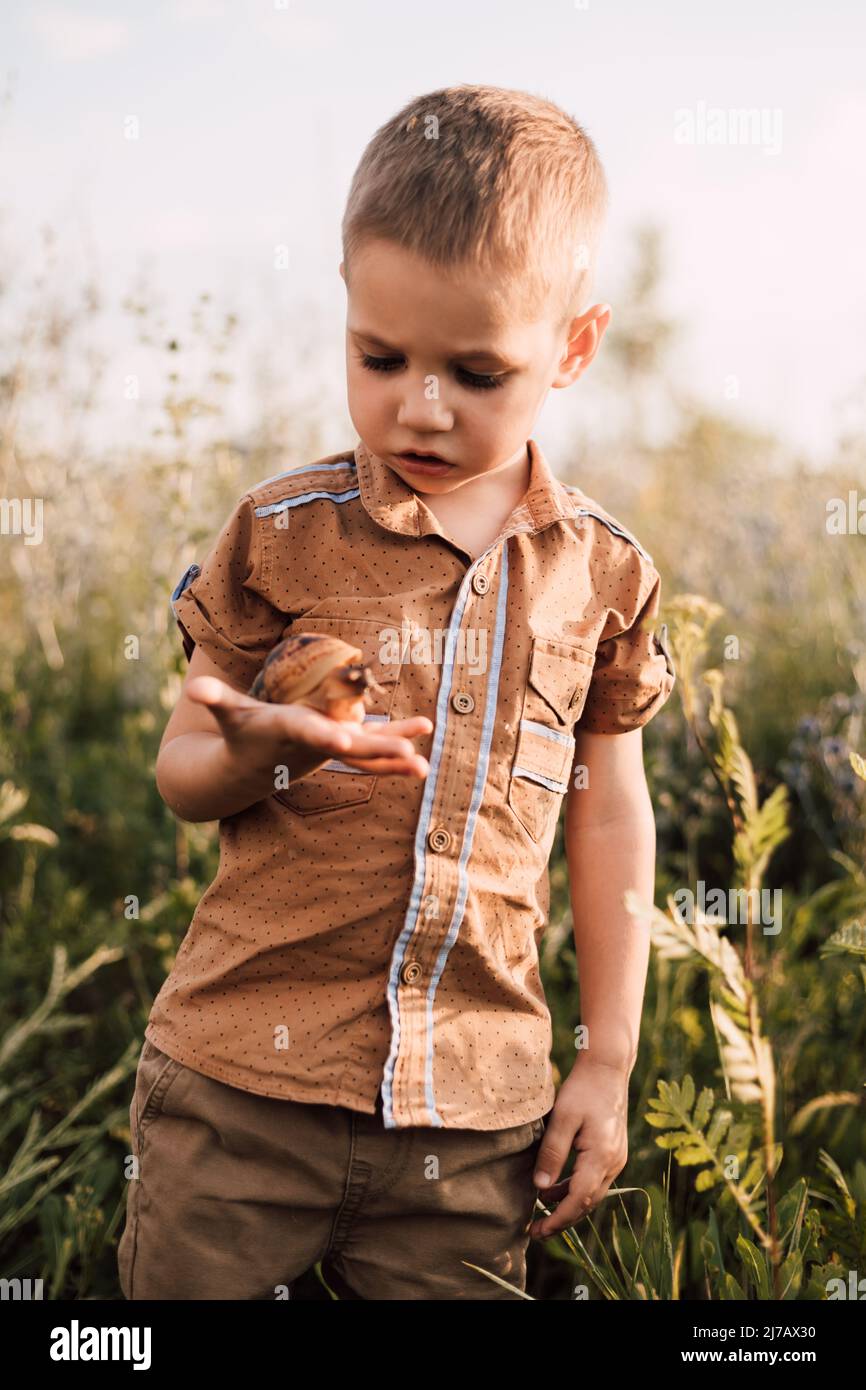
(239, 1194)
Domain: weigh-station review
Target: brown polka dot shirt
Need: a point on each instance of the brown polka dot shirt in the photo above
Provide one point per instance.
(365, 933)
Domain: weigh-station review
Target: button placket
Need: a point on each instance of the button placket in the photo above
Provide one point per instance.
(411, 972)
(449, 818)
(406, 1071)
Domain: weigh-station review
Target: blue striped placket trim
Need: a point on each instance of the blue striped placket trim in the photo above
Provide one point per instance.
(617, 530)
(466, 849)
(307, 497)
(422, 828)
(307, 468)
(544, 732)
(538, 777)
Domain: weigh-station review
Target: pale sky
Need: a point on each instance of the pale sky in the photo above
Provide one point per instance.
(251, 116)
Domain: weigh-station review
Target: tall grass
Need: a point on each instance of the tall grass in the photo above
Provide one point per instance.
(747, 1170)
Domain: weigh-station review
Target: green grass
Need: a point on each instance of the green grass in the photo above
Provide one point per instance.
(747, 1148)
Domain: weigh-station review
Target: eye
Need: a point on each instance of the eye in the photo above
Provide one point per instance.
(477, 381)
(379, 364)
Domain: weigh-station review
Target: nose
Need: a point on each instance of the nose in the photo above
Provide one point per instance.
(422, 409)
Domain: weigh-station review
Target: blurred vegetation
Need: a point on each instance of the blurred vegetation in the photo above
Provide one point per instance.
(749, 1040)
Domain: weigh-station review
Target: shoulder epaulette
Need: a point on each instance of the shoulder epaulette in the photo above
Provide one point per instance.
(335, 478)
(587, 506)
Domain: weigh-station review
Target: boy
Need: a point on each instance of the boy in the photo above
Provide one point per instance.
(349, 1061)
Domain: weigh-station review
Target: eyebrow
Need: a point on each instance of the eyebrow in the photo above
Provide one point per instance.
(474, 355)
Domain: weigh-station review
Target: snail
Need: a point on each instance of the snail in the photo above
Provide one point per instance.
(319, 671)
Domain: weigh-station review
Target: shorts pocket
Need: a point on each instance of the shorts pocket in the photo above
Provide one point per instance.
(155, 1074)
(556, 690)
(335, 785)
(153, 1078)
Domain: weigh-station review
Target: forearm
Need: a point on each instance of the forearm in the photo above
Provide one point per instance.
(612, 946)
(200, 781)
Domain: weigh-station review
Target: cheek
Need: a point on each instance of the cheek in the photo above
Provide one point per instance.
(525, 400)
(362, 390)
(496, 413)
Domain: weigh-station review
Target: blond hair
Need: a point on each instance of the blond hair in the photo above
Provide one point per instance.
(486, 178)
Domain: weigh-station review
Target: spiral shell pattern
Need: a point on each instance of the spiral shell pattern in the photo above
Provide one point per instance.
(322, 672)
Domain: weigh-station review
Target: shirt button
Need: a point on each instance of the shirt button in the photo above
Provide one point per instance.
(439, 839)
(480, 582)
(463, 703)
(411, 972)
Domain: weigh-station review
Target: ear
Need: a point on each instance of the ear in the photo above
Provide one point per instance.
(584, 338)
(342, 272)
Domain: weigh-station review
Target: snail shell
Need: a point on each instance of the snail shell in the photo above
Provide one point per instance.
(322, 672)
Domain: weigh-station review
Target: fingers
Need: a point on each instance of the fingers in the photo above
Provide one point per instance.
(577, 1194)
(390, 748)
(408, 728)
(555, 1147)
(386, 746)
(415, 766)
(374, 746)
(584, 1190)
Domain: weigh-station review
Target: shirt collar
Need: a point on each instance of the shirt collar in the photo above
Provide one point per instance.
(393, 504)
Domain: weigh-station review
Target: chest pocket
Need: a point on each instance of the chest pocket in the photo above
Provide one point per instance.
(335, 785)
(556, 690)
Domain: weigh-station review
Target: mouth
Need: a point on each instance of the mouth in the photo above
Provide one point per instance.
(423, 462)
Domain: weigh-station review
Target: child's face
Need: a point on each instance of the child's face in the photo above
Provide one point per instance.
(450, 374)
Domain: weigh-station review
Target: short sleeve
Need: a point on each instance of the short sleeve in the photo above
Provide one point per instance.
(634, 671)
(222, 605)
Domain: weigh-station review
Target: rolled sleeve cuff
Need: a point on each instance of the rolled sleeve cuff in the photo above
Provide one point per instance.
(628, 698)
(241, 665)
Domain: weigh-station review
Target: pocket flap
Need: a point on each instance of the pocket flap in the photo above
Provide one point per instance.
(560, 673)
(543, 753)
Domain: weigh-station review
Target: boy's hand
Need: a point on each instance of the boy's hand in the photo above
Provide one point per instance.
(263, 735)
(590, 1115)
